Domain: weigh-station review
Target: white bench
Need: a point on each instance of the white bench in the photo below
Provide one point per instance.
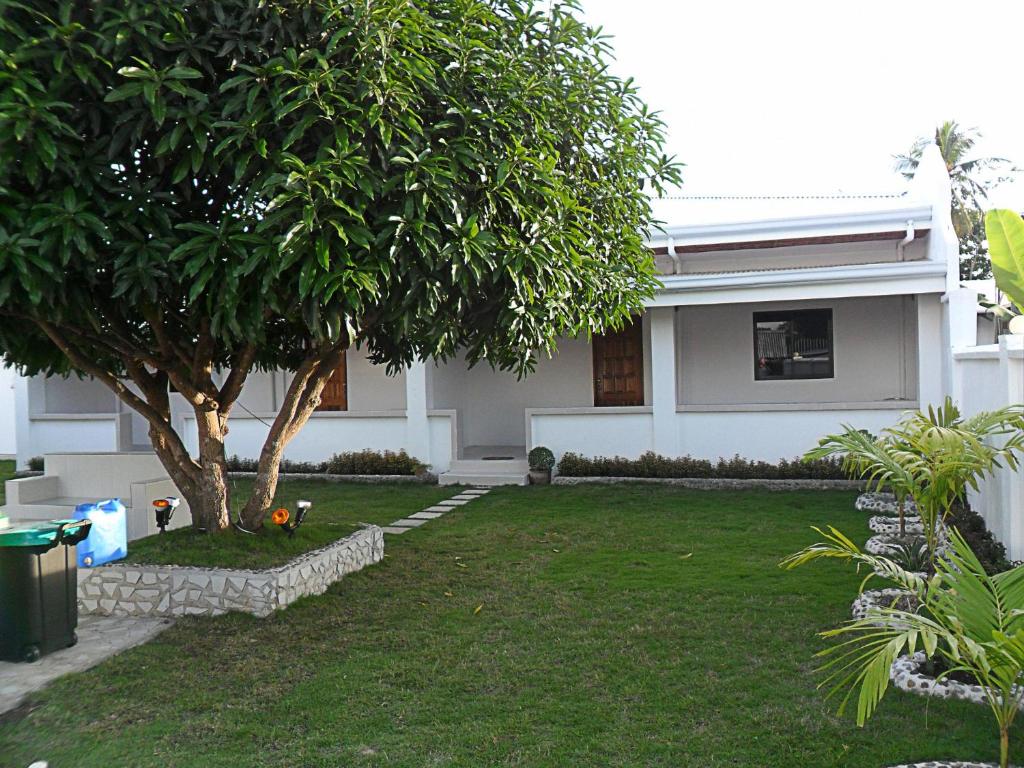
(70, 479)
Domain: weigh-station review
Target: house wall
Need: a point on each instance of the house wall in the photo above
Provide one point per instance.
(8, 430)
(801, 256)
(874, 343)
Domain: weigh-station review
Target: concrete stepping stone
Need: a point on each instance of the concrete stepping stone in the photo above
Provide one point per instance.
(475, 491)
(395, 530)
(464, 497)
(408, 522)
(438, 509)
(426, 515)
(453, 502)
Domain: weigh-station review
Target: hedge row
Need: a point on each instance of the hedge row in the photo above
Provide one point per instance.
(655, 465)
(348, 463)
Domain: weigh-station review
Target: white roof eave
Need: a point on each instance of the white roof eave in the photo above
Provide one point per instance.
(887, 220)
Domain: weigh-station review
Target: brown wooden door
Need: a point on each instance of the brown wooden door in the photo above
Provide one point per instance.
(335, 394)
(619, 367)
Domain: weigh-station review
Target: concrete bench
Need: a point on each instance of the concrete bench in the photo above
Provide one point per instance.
(70, 479)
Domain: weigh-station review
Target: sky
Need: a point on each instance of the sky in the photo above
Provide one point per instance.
(793, 97)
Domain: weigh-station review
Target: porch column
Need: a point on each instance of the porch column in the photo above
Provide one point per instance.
(663, 380)
(417, 427)
(932, 351)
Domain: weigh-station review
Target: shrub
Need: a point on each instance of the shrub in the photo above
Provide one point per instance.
(990, 553)
(652, 464)
(36, 464)
(541, 459)
(349, 463)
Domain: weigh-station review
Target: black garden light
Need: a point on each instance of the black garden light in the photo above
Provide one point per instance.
(164, 510)
(283, 518)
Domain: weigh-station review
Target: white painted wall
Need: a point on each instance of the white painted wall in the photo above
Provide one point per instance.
(800, 256)
(874, 345)
(8, 418)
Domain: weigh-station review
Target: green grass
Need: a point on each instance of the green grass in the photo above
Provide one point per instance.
(338, 509)
(625, 626)
(6, 473)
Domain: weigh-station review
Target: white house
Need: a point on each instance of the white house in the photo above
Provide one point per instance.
(773, 326)
(8, 378)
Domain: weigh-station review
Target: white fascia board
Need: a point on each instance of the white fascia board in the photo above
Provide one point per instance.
(889, 220)
(897, 278)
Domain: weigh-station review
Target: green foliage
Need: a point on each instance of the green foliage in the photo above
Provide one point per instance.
(974, 621)
(933, 456)
(651, 464)
(1004, 230)
(36, 464)
(417, 176)
(989, 551)
(541, 458)
(365, 462)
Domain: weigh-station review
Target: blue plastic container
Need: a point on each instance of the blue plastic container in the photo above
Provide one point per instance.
(108, 538)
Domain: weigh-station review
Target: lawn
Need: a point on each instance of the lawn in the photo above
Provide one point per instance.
(338, 510)
(626, 626)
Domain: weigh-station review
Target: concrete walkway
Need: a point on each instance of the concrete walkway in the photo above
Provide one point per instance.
(99, 638)
(417, 519)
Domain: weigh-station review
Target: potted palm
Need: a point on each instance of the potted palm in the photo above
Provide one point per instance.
(971, 621)
(541, 461)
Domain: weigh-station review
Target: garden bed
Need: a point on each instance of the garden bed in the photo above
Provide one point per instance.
(907, 675)
(886, 524)
(882, 598)
(718, 483)
(168, 590)
(883, 504)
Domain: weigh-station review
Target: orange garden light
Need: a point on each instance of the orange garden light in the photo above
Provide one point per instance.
(282, 517)
(164, 510)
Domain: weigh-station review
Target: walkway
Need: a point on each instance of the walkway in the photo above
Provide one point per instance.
(417, 519)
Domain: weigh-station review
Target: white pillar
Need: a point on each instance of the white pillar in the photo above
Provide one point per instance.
(932, 351)
(417, 426)
(22, 424)
(663, 380)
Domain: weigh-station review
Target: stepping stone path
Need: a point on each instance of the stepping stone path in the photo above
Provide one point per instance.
(417, 519)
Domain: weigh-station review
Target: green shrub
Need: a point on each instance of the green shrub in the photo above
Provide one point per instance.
(990, 553)
(652, 464)
(36, 464)
(349, 463)
(541, 459)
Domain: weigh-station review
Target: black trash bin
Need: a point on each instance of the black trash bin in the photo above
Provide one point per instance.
(39, 588)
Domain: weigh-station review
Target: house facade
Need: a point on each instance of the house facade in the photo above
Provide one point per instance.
(770, 330)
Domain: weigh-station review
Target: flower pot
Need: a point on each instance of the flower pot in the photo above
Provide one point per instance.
(540, 476)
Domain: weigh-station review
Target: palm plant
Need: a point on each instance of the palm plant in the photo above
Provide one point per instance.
(973, 621)
(932, 456)
(972, 178)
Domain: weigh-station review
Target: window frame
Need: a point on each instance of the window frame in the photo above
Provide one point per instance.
(776, 315)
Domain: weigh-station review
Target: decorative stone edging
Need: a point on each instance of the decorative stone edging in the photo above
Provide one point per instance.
(876, 598)
(123, 589)
(906, 676)
(946, 764)
(426, 478)
(886, 524)
(718, 483)
(883, 503)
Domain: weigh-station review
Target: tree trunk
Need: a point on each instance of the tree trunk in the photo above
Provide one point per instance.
(208, 496)
(300, 402)
(1004, 747)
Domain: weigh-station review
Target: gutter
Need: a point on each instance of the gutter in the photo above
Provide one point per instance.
(902, 244)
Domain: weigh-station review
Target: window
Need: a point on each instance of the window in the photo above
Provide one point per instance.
(335, 394)
(795, 344)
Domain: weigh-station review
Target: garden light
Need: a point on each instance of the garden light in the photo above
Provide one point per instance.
(282, 516)
(164, 511)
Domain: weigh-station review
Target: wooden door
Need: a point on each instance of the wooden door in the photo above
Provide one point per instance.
(335, 394)
(619, 367)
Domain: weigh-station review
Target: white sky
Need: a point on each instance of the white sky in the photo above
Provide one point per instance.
(788, 96)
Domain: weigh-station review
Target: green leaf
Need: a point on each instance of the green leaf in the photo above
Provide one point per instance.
(1004, 230)
(123, 92)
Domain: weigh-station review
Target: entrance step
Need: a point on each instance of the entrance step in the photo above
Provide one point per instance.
(486, 473)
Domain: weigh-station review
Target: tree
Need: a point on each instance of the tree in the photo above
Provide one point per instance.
(972, 178)
(193, 190)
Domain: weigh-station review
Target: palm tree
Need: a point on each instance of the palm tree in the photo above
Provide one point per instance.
(972, 179)
(973, 621)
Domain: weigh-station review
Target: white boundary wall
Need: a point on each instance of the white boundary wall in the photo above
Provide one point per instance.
(985, 378)
(8, 443)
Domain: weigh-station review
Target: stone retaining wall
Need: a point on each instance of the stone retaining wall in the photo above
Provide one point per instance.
(720, 483)
(426, 478)
(906, 675)
(171, 590)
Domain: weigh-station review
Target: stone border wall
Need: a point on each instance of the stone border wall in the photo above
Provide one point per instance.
(123, 589)
(426, 478)
(720, 483)
(886, 524)
(905, 675)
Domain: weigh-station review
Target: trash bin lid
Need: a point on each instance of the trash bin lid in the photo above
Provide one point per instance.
(35, 533)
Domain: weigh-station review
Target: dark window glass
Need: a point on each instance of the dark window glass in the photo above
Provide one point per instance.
(796, 344)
